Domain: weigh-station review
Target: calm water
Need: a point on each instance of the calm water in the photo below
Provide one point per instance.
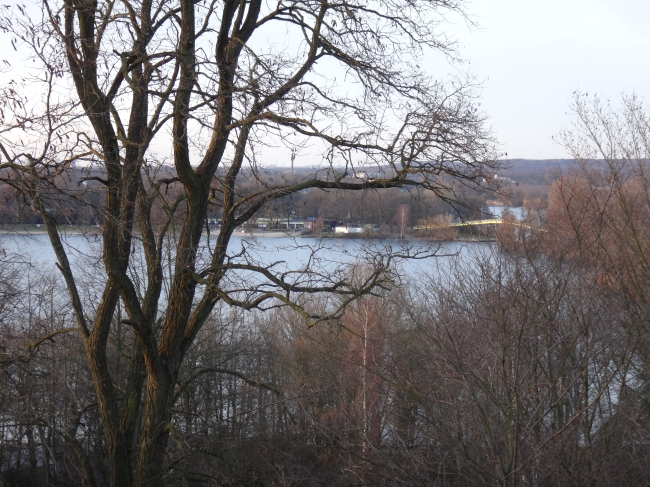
(284, 253)
(304, 261)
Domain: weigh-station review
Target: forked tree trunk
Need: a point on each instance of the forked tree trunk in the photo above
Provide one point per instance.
(157, 69)
(155, 430)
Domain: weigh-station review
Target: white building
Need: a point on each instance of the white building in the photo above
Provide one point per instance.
(349, 229)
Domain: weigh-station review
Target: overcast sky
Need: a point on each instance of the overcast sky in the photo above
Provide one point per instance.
(532, 55)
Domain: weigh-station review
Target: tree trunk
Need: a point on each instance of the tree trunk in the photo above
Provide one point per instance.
(155, 429)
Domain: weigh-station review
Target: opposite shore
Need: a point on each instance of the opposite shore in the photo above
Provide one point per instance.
(73, 230)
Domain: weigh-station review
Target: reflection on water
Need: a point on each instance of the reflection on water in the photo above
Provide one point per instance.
(283, 253)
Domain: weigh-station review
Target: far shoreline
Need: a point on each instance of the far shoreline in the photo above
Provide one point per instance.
(73, 230)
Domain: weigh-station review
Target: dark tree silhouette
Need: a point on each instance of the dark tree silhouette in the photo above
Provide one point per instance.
(117, 84)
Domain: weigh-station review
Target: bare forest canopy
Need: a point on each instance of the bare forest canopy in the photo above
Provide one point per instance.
(82, 203)
(530, 179)
(162, 358)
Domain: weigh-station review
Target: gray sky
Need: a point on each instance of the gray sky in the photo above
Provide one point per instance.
(532, 55)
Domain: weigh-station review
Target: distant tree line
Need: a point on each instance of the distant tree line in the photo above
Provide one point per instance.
(80, 200)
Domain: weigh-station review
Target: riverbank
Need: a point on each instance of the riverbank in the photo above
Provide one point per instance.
(73, 230)
(36, 229)
(39, 229)
(261, 233)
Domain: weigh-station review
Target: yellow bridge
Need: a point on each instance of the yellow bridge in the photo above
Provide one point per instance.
(471, 223)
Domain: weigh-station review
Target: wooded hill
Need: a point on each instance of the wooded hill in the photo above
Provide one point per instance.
(82, 194)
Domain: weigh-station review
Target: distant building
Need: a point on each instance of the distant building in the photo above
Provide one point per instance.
(297, 225)
(370, 176)
(283, 223)
(349, 230)
(503, 180)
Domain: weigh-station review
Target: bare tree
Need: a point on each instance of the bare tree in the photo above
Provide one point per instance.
(599, 211)
(403, 218)
(201, 79)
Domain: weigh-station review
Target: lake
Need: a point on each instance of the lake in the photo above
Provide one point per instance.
(284, 253)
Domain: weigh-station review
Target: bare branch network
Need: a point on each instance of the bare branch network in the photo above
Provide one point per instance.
(171, 106)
